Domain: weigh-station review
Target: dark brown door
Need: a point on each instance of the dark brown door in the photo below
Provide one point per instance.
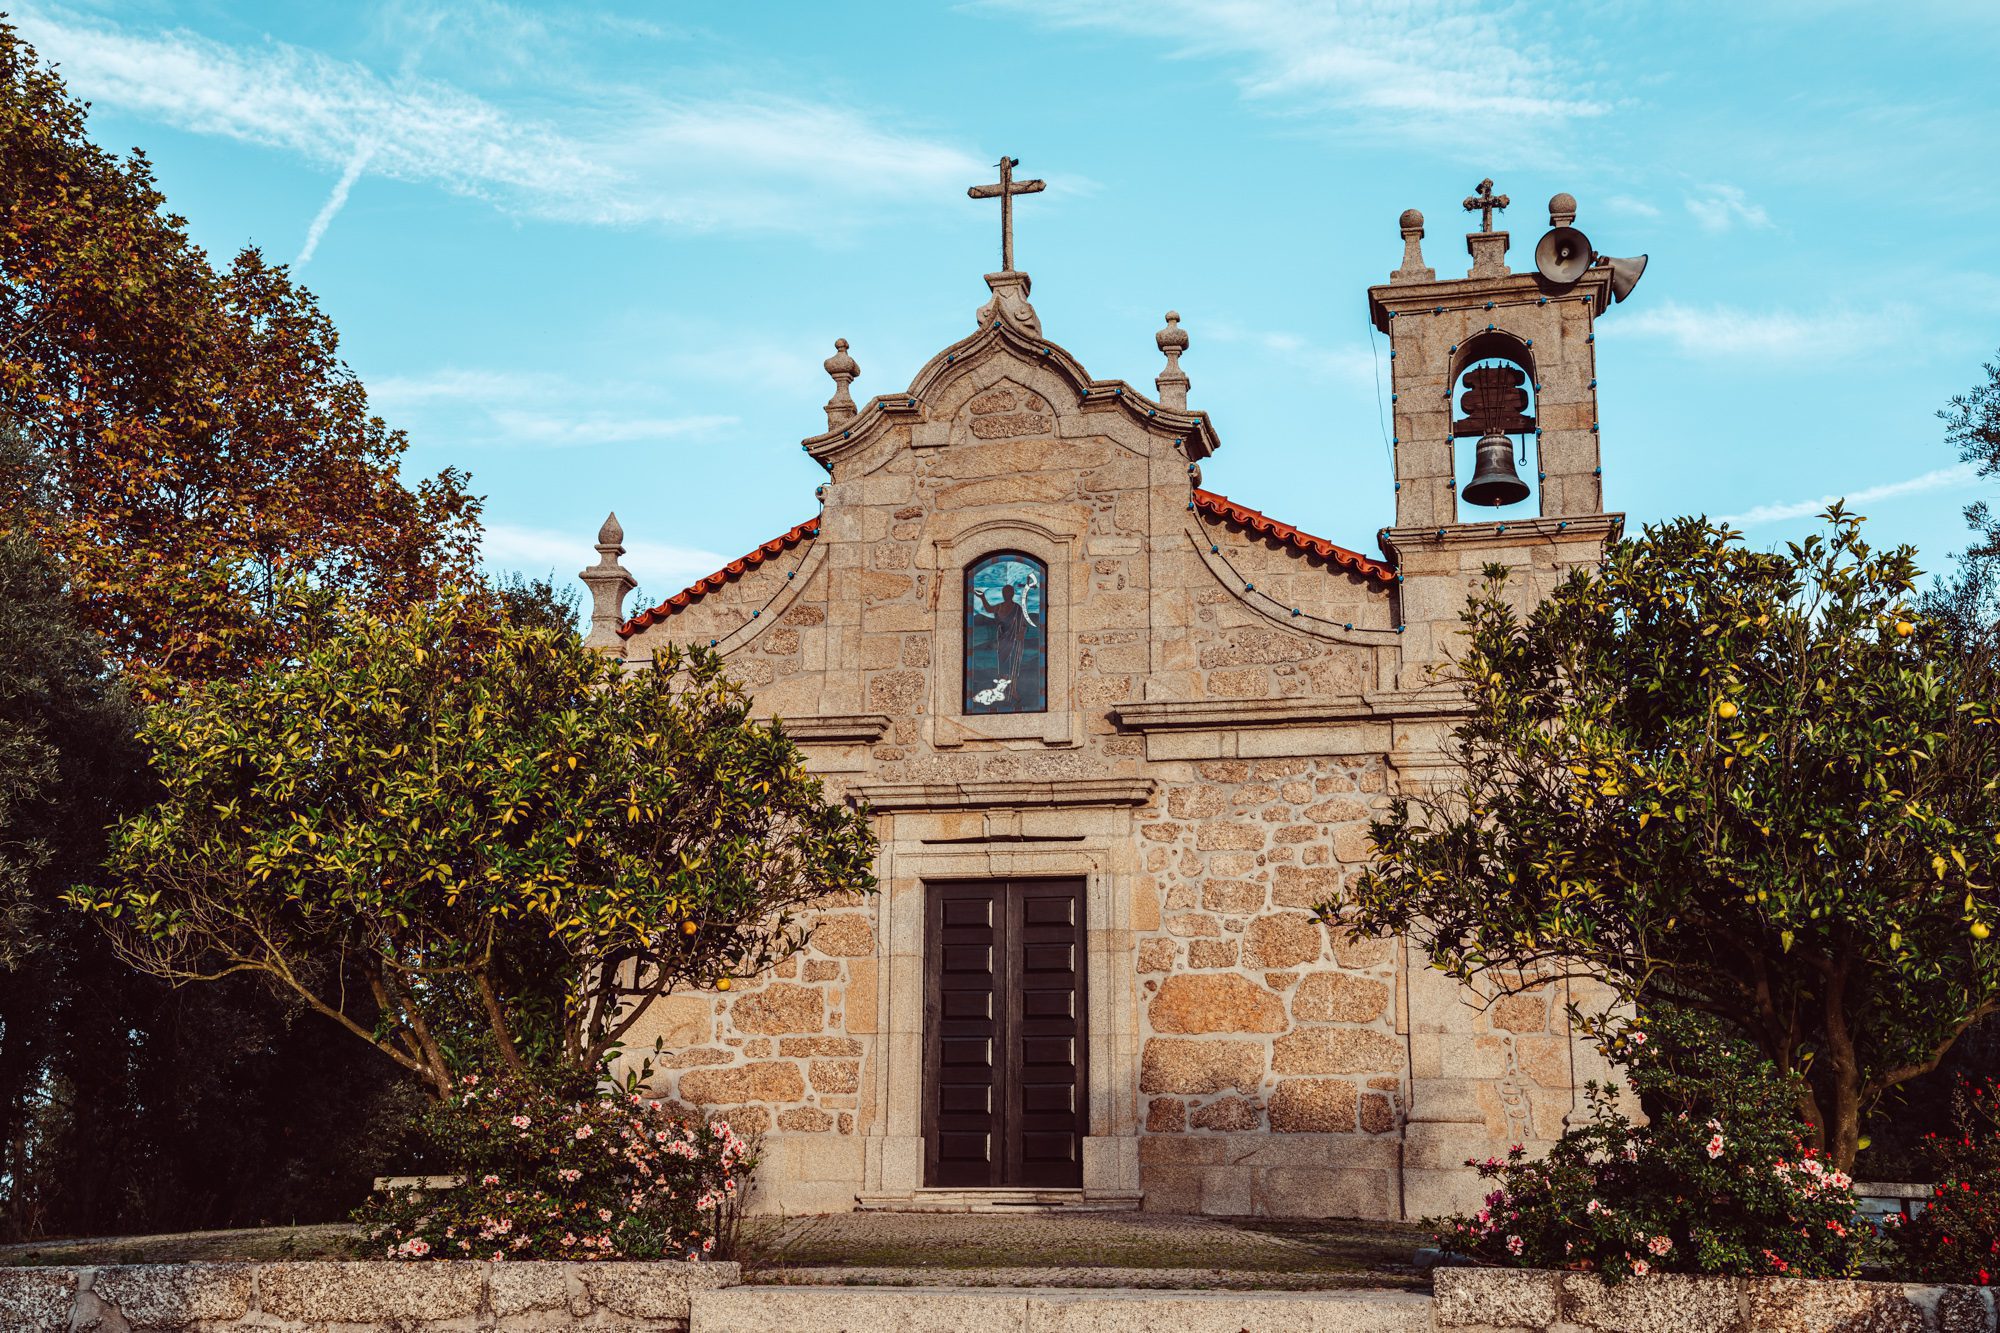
(1004, 1034)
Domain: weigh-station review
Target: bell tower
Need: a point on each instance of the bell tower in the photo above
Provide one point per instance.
(1508, 360)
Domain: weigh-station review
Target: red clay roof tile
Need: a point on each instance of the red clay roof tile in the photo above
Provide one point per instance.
(735, 569)
(1222, 507)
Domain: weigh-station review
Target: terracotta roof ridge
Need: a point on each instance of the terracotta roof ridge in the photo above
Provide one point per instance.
(1243, 516)
(736, 568)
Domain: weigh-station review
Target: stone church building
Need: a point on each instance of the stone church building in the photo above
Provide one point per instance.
(1119, 735)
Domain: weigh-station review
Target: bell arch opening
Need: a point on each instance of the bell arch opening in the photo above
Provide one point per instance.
(1494, 400)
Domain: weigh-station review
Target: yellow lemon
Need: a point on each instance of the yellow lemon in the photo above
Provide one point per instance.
(1980, 930)
(1726, 709)
(689, 927)
(1904, 629)
(723, 984)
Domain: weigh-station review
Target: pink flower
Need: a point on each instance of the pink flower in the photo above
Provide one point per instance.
(583, 1131)
(1514, 1245)
(1660, 1244)
(1715, 1146)
(1593, 1207)
(604, 1214)
(1638, 1037)
(489, 1180)
(1640, 1268)
(520, 1122)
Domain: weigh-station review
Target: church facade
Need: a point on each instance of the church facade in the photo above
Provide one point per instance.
(1119, 737)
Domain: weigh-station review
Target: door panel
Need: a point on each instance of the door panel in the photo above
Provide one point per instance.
(1004, 1034)
(962, 1036)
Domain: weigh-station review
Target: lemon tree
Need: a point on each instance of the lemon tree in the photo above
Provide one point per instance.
(1753, 784)
(517, 843)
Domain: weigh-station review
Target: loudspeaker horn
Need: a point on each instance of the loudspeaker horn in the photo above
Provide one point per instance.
(1562, 255)
(1625, 275)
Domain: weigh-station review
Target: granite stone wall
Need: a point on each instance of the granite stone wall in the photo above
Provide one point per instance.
(315, 1297)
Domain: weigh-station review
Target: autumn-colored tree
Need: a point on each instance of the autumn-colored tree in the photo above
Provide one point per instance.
(517, 842)
(205, 444)
(1755, 785)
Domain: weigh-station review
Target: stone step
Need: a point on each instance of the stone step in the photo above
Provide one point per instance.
(1048, 1310)
(998, 1201)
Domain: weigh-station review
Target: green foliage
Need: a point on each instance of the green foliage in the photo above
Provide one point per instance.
(1754, 784)
(551, 1169)
(1956, 1238)
(1719, 1181)
(517, 843)
(1972, 426)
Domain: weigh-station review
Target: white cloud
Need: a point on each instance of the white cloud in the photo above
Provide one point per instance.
(1720, 207)
(1941, 479)
(1432, 69)
(553, 428)
(1625, 203)
(535, 409)
(1351, 363)
(536, 551)
(1728, 332)
(622, 157)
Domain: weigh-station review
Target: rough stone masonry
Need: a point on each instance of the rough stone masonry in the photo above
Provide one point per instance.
(1225, 703)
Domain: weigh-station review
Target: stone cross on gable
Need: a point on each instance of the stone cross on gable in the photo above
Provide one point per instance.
(1483, 202)
(1005, 192)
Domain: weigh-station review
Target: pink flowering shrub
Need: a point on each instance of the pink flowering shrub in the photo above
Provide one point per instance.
(549, 1172)
(1720, 1180)
(1957, 1236)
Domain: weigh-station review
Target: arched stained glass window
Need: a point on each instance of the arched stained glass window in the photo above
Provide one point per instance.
(1006, 634)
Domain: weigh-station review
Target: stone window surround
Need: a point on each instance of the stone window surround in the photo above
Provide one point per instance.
(952, 556)
(1098, 847)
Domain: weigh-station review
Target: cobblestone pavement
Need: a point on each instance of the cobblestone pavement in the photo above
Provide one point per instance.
(1078, 1250)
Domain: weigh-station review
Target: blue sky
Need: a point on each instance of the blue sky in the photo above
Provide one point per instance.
(595, 252)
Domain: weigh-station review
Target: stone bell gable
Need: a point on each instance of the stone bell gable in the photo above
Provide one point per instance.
(1119, 736)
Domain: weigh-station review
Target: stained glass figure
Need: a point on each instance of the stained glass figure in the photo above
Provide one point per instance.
(1006, 635)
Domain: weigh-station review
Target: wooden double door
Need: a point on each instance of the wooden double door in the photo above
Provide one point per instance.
(1004, 1034)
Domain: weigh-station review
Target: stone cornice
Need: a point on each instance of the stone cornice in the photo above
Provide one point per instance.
(1220, 714)
(890, 797)
(836, 728)
(1600, 528)
(1421, 298)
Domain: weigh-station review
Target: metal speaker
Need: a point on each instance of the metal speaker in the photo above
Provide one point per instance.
(1494, 480)
(1562, 255)
(1625, 275)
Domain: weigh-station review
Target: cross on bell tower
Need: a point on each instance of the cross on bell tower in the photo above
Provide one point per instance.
(1484, 202)
(1005, 191)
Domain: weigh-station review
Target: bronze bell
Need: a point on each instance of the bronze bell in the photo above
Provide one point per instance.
(1494, 480)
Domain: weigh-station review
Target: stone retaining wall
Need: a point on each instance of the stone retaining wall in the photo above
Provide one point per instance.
(1493, 1300)
(315, 1297)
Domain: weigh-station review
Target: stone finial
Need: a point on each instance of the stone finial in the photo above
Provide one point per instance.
(1009, 305)
(840, 408)
(609, 583)
(1562, 209)
(1414, 268)
(1173, 381)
